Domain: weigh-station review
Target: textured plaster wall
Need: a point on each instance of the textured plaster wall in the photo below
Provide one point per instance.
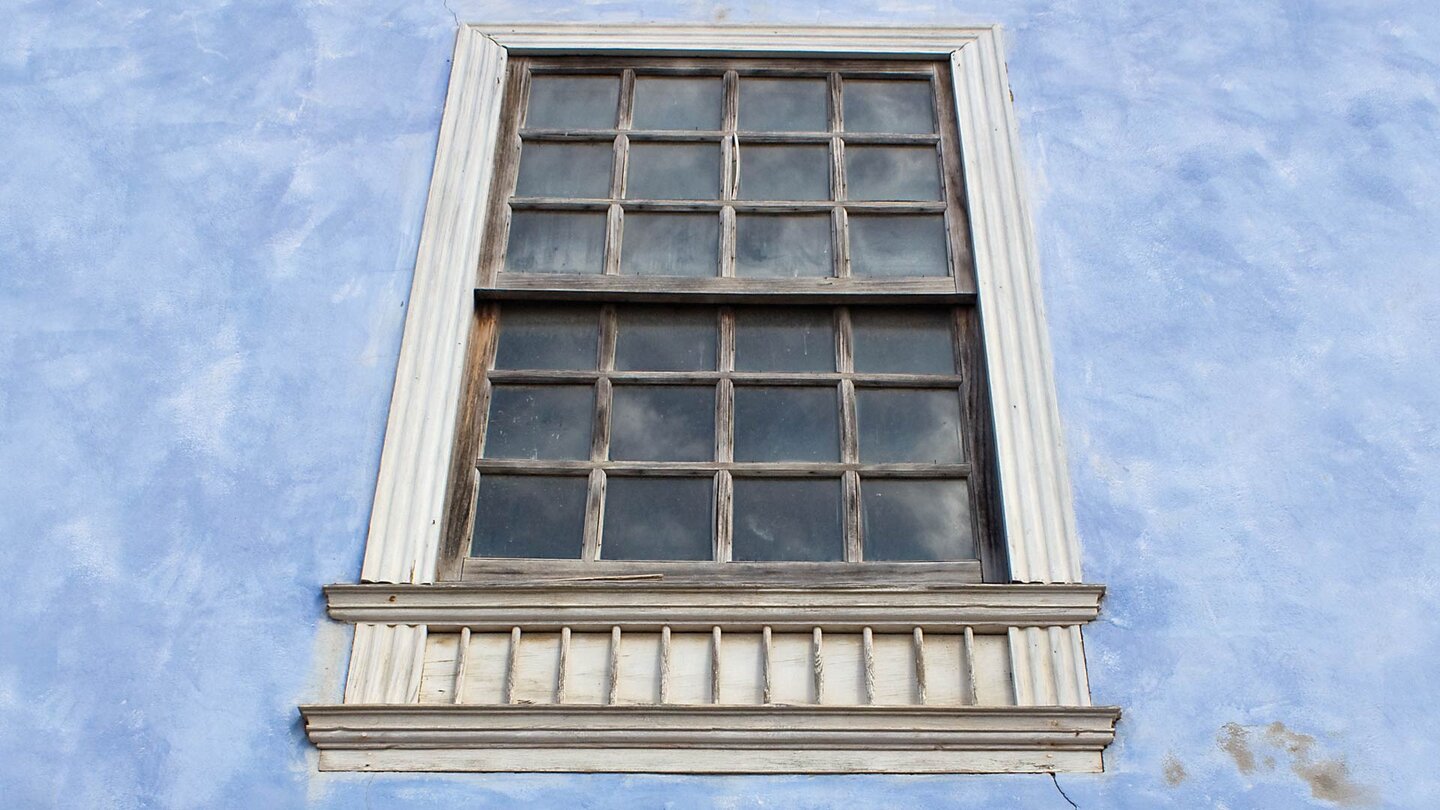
(208, 215)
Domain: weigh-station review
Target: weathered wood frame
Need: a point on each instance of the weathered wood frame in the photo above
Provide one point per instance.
(406, 524)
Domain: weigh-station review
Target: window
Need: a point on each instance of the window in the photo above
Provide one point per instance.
(694, 437)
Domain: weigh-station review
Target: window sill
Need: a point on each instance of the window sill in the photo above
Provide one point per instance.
(710, 739)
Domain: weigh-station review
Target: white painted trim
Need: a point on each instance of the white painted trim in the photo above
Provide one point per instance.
(638, 606)
(406, 520)
(733, 40)
(405, 523)
(1034, 480)
(710, 738)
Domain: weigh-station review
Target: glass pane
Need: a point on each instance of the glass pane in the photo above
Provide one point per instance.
(665, 339)
(556, 242)
(674, 171)
(529, 516)
(916, 520)
(892, 173)
(783, 246)
(784, 105)
(564, 169)
(786, 424)
(888, 106)
(787, 519)
(540, 421)
(893, 246)
(657, 518)
(547, 337)
(890, 341)
(670, 244)
(573, 102)
(784, 172)
(909, 425)
(662, 423)
(666, 103)
(784, 340)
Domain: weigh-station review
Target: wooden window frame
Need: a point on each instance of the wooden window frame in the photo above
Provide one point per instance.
(1051, 725)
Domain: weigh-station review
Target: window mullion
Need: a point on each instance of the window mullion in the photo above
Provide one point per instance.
(849, 437)
(839, 221)
(600, 437)
(725, 437)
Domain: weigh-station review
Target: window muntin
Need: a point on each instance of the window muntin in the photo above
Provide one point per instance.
(749, 427)
(702, 187)
(781, 168)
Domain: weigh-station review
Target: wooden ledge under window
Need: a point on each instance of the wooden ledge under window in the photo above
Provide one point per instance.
(710, 739)
(630, 602)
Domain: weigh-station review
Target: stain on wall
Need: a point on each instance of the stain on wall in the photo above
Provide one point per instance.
(208, 219)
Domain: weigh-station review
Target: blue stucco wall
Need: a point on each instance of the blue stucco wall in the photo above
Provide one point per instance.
(208, 215)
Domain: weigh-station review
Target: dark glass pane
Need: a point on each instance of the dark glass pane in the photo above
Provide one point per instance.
(769, 339)
(657, 518)
(889, 341)
(573, 102)
(540, 421)
(538, 337)
(916, 520)
(888, 106)
(673, 171)
(909, 425)
(784, 105)
(897, 246)
(783, 246)
(670, 244)
(556, 242)
(665, 339)
(892, 173)
(564, 169)
(529, 516)
(784, 172)
(787, 519)
(670, 103)
(786, 424)
(662, 423)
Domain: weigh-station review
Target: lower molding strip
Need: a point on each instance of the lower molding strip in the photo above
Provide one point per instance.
(710, 738)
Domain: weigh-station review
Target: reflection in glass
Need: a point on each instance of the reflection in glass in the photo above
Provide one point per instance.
(769, 339)
(786, 424)
(573, 102)
(673, 171)
(662, 423)
(889, 341)
(673, 103)
(784, 172)
(783, 246)
(670, 244)
(784, 105)
(529, 516)
(665, 339)
(909, 425)
(787, 519)
(888, 106)
(892, 172)
(556, 242)
(657, 518)
(564, 169)
(540, 421)
(541, 337)
(897, 246)
(908, 520)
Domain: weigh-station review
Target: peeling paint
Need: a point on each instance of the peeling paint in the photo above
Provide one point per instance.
(1327, 777)
(1174, 772)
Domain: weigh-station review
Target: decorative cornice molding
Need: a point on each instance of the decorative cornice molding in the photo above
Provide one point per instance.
(733, 40)
(601, 606)
(710, 739)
